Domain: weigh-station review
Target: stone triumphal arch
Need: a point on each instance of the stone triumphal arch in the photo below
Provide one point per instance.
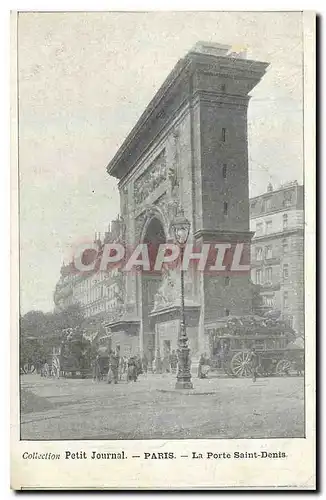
(187, 151)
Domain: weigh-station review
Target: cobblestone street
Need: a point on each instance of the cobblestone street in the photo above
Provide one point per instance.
(152, 409)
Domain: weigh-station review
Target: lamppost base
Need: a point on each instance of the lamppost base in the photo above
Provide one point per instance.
(183, 384)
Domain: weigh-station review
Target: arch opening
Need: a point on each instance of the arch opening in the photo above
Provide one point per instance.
(150, 283)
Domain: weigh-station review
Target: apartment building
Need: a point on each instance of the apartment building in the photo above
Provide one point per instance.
(277, 252)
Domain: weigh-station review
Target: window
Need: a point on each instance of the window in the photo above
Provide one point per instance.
(287, 201)
(267, 202)
(285, 221)
(269, 274)
(268, 226)
(268, 301)
(268, 252)
(227, 312)
(285, 246)
(259, 228)
(227, 280)
(285, 300)
(223, 136)
(285, 271)
(290, 320)
(259, 253)
(225, 208)
(258, 276)
(223, 87)
(224, 171)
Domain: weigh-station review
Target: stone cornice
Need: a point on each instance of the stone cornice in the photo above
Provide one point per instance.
(177, 89)
(221, 100)
(130, 326)
(281, 234)
(217, 235)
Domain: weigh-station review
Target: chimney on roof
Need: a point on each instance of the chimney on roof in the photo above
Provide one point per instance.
(270, 187)
(211, 48)
(220, 50)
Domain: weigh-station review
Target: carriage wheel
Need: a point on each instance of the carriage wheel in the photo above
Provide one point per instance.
(240, 364)
(283, 367)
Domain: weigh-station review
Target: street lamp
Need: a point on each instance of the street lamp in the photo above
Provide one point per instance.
(181, 228)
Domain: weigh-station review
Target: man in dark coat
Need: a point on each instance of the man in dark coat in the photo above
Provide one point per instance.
(254, 361)
(113, 374)
(145, 363)
(96, 369)
(139, 366)
(173, 361)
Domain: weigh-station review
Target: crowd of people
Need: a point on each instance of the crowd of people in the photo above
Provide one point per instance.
(114, 368)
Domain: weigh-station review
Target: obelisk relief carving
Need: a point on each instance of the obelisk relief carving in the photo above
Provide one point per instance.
(174, 205)
(173, 172)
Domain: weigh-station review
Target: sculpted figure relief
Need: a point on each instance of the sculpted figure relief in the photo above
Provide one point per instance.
(169, 291)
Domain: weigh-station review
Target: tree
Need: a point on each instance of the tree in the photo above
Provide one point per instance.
(33, 324)
(40, 332)
(71, 317)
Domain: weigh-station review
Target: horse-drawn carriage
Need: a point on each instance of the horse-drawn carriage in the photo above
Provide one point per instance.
(75, 355)
(273, 340)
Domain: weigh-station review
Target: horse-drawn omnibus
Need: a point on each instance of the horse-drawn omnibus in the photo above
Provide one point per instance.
(232, 338)
(75, 355)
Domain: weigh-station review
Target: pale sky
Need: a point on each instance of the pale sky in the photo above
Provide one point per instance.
(85, 79)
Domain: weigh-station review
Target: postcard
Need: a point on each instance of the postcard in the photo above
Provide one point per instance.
(163, 250)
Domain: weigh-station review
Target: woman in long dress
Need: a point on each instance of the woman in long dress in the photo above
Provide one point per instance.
(132, 369)
(96, 370)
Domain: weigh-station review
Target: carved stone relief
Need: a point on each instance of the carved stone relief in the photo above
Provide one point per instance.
(169, 291)
(173, 172)
(151, 179)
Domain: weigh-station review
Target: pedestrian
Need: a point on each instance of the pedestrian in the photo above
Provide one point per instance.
(254, 362)
(166, 363)
(139, 366)
(158, 363)
(145, 363)
(96, 369)
(203, 366)
(221, 354)
(132, 369)
(39, 367)
(122, 366)
(173, 361)
(113, 374)
(45, 369)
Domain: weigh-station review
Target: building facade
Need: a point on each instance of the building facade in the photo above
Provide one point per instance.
(277, 252)
(97, 292)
